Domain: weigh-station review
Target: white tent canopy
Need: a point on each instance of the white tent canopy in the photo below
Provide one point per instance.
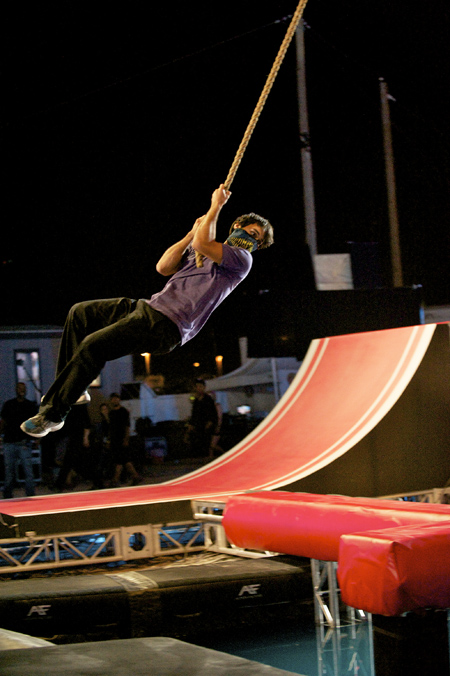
(257, 383)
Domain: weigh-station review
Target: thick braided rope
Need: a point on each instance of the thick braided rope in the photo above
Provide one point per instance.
(261, 102)
(265, 92)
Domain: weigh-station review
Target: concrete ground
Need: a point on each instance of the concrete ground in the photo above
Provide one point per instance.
(150, 474)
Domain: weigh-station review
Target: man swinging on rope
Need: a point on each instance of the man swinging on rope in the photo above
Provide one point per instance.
(101, 330)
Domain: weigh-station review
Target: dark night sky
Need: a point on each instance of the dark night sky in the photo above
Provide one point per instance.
(118, 121)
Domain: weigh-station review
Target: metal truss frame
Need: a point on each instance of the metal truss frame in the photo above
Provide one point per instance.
(327, 604)
(339, 649)
(338, 639)
(326, 593)
(44, 552)
(433, 496)
(210, 513)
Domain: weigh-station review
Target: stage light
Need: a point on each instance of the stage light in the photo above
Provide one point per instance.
(219, 364)
(146, 356)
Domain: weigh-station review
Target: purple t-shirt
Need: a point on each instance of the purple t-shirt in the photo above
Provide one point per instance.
(192, 293)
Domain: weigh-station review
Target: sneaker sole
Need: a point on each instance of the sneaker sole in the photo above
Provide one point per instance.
(38, 435)
(85, 398)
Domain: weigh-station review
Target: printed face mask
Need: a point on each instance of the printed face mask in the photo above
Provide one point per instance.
(243, 240)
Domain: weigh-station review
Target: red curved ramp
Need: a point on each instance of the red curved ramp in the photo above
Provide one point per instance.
(344, 388)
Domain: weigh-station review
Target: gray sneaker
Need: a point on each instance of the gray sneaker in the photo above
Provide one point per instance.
(40, 426)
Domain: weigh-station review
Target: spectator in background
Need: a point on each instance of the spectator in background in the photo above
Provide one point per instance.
(119, 442)
(71, 441)
(99, 468)
(100, 449)
(202, 423)
(214, 448)
(16, 444)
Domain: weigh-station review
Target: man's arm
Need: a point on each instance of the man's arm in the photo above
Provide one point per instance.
(204, 240)
(202, 236)
(171, 258)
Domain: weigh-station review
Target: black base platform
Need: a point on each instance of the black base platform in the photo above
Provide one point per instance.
(159, 656)
(179, 602)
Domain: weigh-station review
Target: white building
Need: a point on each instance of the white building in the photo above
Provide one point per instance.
(29, 354)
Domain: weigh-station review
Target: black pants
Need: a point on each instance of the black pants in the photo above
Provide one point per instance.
(96, 332)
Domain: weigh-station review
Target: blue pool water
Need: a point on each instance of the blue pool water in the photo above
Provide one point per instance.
(304, 649)
(307, 650)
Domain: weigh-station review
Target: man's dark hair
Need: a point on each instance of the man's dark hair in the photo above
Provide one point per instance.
(250, 219)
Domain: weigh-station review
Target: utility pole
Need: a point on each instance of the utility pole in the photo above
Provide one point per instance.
(396, 259)
(308, 186)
